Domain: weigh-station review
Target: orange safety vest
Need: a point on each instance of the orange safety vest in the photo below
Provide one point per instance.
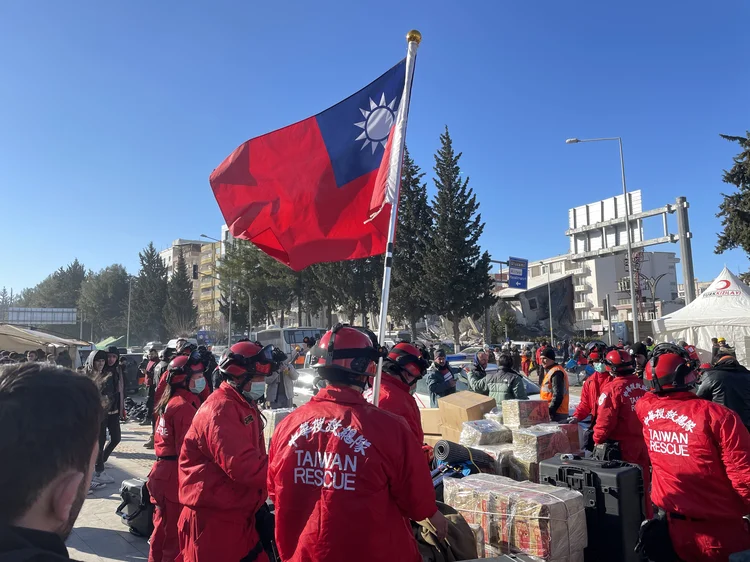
(546, 391)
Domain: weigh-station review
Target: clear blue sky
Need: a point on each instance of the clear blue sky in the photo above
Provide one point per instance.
(113, 114)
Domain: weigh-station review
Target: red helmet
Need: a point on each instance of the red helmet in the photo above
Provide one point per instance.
(670, 368)
(346, 351)
(247, 359)
(595, 351)
(619, 362)
(410, 358)
(183, 367)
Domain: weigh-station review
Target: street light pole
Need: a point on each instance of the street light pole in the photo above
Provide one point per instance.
(549, 303)
(130, 294)
(633, 303)
(229, 335)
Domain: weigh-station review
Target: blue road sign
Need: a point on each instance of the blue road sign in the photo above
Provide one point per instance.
(518, 273)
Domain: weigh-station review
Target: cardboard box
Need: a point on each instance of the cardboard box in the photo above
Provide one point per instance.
(463, 406)
(431, 439)
(430, 420)
(525, 413)
(450, 434)
(538, 443)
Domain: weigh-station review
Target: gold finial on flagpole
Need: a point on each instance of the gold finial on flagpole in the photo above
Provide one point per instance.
(415, 36)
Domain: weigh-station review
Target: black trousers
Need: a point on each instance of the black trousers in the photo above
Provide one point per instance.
(150, 405)
(111, 422)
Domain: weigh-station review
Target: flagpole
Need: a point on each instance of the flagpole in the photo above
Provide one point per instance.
(413, 39)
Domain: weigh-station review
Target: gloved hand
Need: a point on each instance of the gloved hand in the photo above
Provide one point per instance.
(572, 419)
(440, 523)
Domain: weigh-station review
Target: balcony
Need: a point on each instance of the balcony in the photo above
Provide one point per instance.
(584, 288)
(582, 305)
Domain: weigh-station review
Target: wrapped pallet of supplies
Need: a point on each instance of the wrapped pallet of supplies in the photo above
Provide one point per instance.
(495, 414)
(273, 419)
(573, 431)
(521, 469)
(542, 521)
(501, 455)
(484, 432)
(538, 444)
(525, 413)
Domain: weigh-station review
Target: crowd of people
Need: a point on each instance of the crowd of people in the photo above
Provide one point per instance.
(339, 459)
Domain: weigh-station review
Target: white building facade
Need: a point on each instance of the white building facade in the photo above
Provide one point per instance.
(595, 278)
(191, 251)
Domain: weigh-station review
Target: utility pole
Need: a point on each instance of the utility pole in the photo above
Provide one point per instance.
(130, 294)
(229, 335)
(686, 249)
(609, 319)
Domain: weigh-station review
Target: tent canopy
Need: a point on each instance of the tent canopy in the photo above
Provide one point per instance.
(20, 340)
(723, 310)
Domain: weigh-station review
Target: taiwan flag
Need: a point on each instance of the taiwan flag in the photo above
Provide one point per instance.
(319, 190)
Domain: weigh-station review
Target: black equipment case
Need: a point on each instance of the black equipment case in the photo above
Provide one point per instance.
(136, 509)
(613, 498)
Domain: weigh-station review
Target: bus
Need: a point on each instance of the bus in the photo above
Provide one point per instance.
(286, 339)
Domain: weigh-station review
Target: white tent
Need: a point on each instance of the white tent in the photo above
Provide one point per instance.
(723, 310)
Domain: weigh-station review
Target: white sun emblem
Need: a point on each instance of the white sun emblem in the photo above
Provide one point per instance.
(377, 124)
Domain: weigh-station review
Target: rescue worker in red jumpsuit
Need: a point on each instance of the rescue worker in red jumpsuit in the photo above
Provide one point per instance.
(184, 348)
(617, 421)
(700, 453)
(403, 367)
(176, 410)
(223, 465)
(593, 385)
(344, 475)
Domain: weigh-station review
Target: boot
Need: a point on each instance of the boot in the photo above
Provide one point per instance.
(150, 443)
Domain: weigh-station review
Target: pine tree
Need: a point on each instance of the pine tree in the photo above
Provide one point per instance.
(735, 209)
(149, 297)
(410, 285)
(104, 300)
(180, 313)
(460, 282)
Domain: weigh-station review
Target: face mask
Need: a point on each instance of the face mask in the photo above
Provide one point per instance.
(199, 385)
(250, 395)
(600, 367)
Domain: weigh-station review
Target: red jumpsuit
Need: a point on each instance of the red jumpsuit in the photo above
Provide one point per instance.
(223, 466)
(395, 398)
(162, 480)
(346, 477)
(617, 421)
(590, 393)
(700, 452)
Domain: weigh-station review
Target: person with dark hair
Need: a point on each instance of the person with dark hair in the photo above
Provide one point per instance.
(50, 418)
(113, 390)
(503, 384)
(441, 378)
(31, 356)
(147, 367)
(223, 465)
(51, 359)
(727, 383)
(165, 356)
(555, 386)
(64, 360)
(640, 356)
(176, 409)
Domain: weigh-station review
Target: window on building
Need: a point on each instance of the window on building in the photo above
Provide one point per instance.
(557, 267)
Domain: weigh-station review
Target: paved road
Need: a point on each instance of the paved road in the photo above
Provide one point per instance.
(99, 535)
